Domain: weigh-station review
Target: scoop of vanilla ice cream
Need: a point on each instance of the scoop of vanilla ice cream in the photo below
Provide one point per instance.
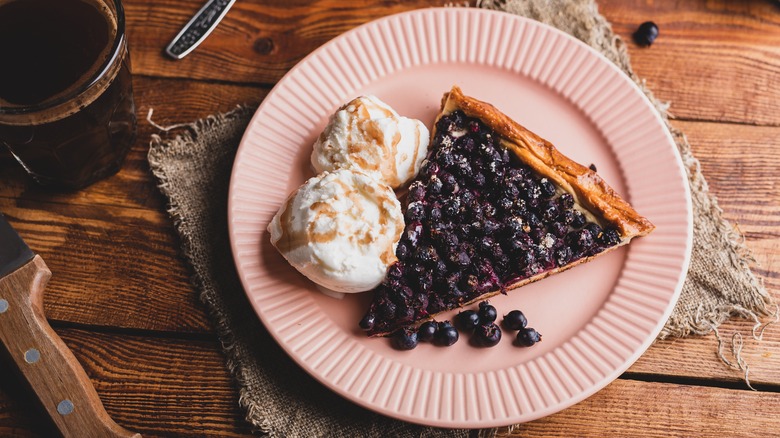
(340, 229)
(367, 135)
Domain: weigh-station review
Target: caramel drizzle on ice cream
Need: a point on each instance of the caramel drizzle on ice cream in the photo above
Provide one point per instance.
(323, 213)
(366, 142)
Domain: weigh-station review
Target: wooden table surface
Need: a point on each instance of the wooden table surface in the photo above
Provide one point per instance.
(120, 294)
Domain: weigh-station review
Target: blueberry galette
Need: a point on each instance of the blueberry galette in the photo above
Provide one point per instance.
(494, 207)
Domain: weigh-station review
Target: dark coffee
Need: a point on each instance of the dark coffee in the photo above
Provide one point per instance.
(46, 46)
(66, 105)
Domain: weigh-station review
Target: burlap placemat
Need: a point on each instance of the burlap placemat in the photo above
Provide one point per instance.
(193, 168)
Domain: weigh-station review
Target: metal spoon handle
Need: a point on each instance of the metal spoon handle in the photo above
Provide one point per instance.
(199, 27)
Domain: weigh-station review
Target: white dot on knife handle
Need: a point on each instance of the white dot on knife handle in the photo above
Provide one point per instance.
(32, 355)
(65, 407)
(3, 305)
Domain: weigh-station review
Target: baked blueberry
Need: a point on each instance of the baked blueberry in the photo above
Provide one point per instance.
(578, 220)
(610, 237)
(416, 191)
(566, 201)
(547, 187)
(368, 321)
(415, 211)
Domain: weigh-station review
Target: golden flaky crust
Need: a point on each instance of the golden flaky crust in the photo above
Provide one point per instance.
(588, 189)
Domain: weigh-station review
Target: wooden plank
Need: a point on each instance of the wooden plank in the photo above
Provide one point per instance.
(162, 387)
(648, 409)
(50, 369)
(115, 267)
(714, 60)
(181, 388)
(256, 42)
(739, 163)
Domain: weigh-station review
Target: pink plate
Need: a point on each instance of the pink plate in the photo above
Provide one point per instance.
(597, 319)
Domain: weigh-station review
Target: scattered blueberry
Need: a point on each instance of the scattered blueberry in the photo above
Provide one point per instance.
(528, 337)
(487, 313)
(646, 33)
(427, 331)
(435, 214)
(446, 335)
(488, 335)
(467, 320)
(593, 167)
(515, 320)
(405, 339)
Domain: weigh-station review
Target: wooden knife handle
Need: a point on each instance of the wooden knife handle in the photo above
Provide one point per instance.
(45, 361)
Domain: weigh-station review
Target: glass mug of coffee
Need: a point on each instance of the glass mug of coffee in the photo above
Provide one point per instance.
(66, 100)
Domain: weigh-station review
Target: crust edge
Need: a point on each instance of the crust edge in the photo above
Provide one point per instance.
(513, 286)
(587, 187)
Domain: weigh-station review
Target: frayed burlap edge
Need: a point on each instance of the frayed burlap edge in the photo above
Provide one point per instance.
(254, 414)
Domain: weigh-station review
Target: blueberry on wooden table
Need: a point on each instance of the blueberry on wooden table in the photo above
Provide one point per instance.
(646, 33)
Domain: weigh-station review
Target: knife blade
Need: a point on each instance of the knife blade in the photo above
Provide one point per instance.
(49, 367)
(13, 251)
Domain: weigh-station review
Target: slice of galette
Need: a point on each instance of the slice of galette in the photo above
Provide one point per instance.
(494, 207)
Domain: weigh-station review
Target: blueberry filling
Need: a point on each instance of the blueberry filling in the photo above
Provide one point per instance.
(478, 220)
